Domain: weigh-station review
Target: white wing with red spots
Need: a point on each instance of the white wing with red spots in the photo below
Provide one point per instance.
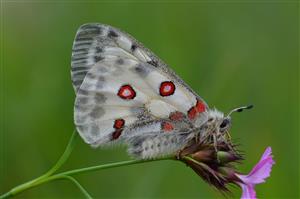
(120, 85)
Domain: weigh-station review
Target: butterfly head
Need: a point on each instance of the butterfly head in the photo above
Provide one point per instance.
(218, 123)
(215, 129)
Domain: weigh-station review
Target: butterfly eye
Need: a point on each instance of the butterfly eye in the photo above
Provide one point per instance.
(225, 123)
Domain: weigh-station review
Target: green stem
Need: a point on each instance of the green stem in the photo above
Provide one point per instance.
(39, 180)
(85, 193)
(112, 165)
(42, 178)
(65, 155)
(50, 176)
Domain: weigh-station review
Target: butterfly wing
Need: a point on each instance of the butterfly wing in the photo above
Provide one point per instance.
(121, 86)
(94, 40)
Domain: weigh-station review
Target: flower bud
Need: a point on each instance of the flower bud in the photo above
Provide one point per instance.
(226, 157)
(229, 173)
(203, 156)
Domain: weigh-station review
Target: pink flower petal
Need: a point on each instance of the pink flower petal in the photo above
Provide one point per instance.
(268, 152)
(248, 191)
(257, 175)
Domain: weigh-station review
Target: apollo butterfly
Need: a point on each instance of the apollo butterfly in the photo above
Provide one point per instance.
(126, 94)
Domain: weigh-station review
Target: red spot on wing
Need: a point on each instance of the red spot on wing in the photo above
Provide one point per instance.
(176, 116)
(167, 126)
(126, 92)
(167, 88)
(192, 113)
(119, 123)
(200, 106)
(197, 109)
(116, 134)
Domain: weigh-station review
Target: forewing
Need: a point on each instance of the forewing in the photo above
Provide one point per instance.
(93, 41)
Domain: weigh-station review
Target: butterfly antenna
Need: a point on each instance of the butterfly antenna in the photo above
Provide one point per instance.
(240, 109)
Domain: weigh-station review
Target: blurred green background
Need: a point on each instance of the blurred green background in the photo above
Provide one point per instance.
(231, 53)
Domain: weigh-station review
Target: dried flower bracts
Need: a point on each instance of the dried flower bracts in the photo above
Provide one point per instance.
(217, 167)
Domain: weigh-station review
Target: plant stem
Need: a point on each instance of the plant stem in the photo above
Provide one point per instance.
(85, 193)
(112, 165)
(65, 155)
(50, 176)
(42, 178)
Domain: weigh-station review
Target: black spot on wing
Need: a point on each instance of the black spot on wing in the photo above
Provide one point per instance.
(82, 100)
(120, 61)
(97, 58)
(112, 34)
(100, 82)
(99, 49)
(133, 47)
(153, 63)
(142, 70)
(100, 98)
(97, 112)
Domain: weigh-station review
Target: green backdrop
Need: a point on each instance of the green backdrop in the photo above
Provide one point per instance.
(232, 53)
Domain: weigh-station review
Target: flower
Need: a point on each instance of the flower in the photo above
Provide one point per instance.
(257, 175)
(217, 166)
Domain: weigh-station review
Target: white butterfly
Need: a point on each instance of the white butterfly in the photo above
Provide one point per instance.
(126, 94)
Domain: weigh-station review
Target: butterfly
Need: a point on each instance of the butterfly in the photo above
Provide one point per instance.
(126, 94)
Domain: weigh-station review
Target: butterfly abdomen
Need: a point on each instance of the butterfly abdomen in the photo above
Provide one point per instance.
(152, 146)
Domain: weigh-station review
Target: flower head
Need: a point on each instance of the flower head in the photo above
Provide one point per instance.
(217, 166)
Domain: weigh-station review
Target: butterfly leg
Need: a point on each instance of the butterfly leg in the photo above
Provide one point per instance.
(179, 154)
(227, 139)
(215, 142)
(191, 146)
(229, 136)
